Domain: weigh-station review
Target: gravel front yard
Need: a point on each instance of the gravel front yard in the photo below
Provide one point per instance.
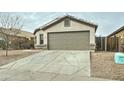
(15, 55)
(103, 66)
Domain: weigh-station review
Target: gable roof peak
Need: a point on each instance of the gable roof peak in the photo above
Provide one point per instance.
(62, 17)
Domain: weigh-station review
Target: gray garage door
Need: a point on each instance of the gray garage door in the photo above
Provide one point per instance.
(75, 40)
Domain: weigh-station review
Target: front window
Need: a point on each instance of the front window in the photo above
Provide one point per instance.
(41, 38)
(35, 39)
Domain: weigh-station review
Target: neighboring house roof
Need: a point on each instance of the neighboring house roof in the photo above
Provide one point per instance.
(58, 19)
(117, 31)
(23, 33)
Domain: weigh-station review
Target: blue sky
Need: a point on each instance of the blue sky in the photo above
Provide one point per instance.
(107, 21)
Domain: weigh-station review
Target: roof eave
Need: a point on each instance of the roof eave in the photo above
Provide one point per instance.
(68, 16)
(117, 31)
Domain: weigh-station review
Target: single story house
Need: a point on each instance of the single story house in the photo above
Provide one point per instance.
(22, 40)
(66, 33)
(115, 41)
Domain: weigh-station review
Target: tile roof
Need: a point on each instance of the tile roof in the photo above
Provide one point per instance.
(62, 17)
(22, 33)
(117, 31)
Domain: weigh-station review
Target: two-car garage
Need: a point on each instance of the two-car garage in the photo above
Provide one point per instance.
(71, 40)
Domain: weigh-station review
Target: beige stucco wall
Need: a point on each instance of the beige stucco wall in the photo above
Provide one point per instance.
(75, 26)
(121, 38)
(120, 35)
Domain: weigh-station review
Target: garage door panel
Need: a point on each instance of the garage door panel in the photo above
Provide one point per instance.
(68, 40)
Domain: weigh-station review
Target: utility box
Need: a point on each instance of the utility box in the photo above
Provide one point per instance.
(119, 58)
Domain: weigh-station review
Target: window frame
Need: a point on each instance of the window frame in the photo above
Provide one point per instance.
(41, 39)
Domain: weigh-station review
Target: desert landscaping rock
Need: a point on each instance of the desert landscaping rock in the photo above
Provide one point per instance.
(14, 55)
(103, 66)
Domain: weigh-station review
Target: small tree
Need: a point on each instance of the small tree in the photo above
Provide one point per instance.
(9, 26)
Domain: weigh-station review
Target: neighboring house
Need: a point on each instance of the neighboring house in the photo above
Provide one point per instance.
(22, 40)
(26, 39)
(26, 34)
(116, 40)
(66, 33)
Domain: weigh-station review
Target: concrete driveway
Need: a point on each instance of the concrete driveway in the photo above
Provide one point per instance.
(50, 65)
